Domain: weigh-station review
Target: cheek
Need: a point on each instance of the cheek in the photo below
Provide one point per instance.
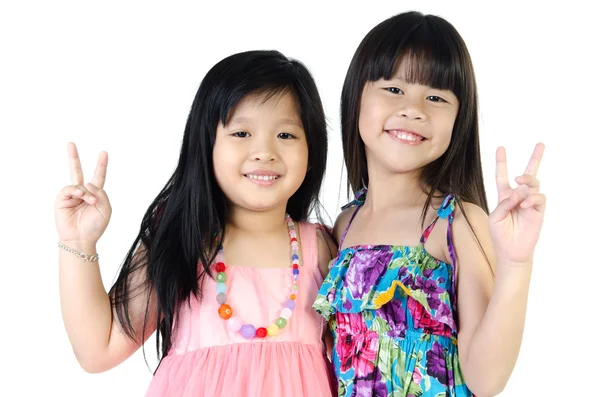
(372, 115)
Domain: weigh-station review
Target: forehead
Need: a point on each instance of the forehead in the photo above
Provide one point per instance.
(281, 107)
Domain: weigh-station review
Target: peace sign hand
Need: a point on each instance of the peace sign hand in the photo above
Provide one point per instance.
(516, 222)
(82, 212)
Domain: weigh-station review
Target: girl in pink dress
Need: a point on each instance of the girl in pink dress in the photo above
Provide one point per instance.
(226, 266)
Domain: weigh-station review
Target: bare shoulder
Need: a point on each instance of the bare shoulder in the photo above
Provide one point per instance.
(473, 215)
(472, 238)
(341, 222)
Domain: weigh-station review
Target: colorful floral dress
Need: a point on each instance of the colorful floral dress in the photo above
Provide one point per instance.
(392, 311)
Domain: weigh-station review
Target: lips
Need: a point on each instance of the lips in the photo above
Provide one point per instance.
(262, 175)
(407, 136)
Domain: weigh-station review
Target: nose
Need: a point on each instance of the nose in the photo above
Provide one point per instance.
(263, 151)
(412, 110)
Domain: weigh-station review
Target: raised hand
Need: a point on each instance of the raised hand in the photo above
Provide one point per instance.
(516, 222)
(82, 212)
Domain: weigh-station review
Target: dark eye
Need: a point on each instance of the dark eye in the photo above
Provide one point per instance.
(434, 98)
(241, 134)
(286, 135)
(394, 90)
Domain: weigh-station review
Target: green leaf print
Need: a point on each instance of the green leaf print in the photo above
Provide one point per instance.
(453, 363)
(342, 387)
(322, 305)
(429, 263)
(420, 297)
(385, 358)
(380, 325)
(441, 394)
(367, 315)
(415, 390)
(400, 369)
(427, 381)
(396, 263)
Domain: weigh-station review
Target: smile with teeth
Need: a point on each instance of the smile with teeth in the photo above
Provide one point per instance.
(262, 177)
(406, 136)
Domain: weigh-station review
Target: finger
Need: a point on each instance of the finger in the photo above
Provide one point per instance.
(102, 203)
(538, 201)
(78, 192)
(505, 206)
(75, 165)
(502, 184)
(536, 158)
(528, 180)
(100, 173)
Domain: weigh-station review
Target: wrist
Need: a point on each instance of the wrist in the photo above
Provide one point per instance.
(83, 250)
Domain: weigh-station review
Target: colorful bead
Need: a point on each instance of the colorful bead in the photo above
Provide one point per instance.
(281, 322)
(248, 331)
(261, 332)
(225, 312)
(221, 288)
(272, 330)
(220, 267)
(290, 304)
(234, 324)
(286, 313)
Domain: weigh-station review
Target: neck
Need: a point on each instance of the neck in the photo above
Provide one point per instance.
(389, 189)
(263, 222)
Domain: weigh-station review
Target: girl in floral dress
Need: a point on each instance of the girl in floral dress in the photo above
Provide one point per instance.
(427, 294)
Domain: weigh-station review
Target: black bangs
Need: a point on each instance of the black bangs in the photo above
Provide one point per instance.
(428, 48)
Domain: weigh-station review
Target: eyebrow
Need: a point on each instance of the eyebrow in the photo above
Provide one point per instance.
(241, 120)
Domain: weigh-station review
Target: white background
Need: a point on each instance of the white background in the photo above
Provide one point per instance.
(121, 76)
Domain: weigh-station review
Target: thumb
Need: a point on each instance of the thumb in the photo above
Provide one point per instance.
(505, 207)
(103, 203)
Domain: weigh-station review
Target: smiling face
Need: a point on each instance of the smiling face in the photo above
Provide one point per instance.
(260, 156)
(405, 126)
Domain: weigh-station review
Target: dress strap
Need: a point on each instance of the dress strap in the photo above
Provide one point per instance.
(359, 199)
(446, 211)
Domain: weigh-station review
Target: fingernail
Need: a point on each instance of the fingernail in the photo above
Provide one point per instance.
(78, 192)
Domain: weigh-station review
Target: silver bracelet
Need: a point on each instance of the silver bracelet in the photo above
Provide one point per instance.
(85, 257)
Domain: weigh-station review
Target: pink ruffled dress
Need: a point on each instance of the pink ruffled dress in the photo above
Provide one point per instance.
(207, 359)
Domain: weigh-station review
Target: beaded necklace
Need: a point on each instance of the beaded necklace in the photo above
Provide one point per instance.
(225, 311)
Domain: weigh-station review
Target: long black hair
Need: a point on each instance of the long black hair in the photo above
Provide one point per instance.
(438, 57)
(178, 230)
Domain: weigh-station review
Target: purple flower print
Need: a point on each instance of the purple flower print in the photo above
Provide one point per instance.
(428, 286)
(434, 302)
(395, 315)
(436, 363)
(370, 386)
(364, 270)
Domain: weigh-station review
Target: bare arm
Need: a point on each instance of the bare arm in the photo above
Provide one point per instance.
(98, 341)
(492, 310)
(82, 214)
